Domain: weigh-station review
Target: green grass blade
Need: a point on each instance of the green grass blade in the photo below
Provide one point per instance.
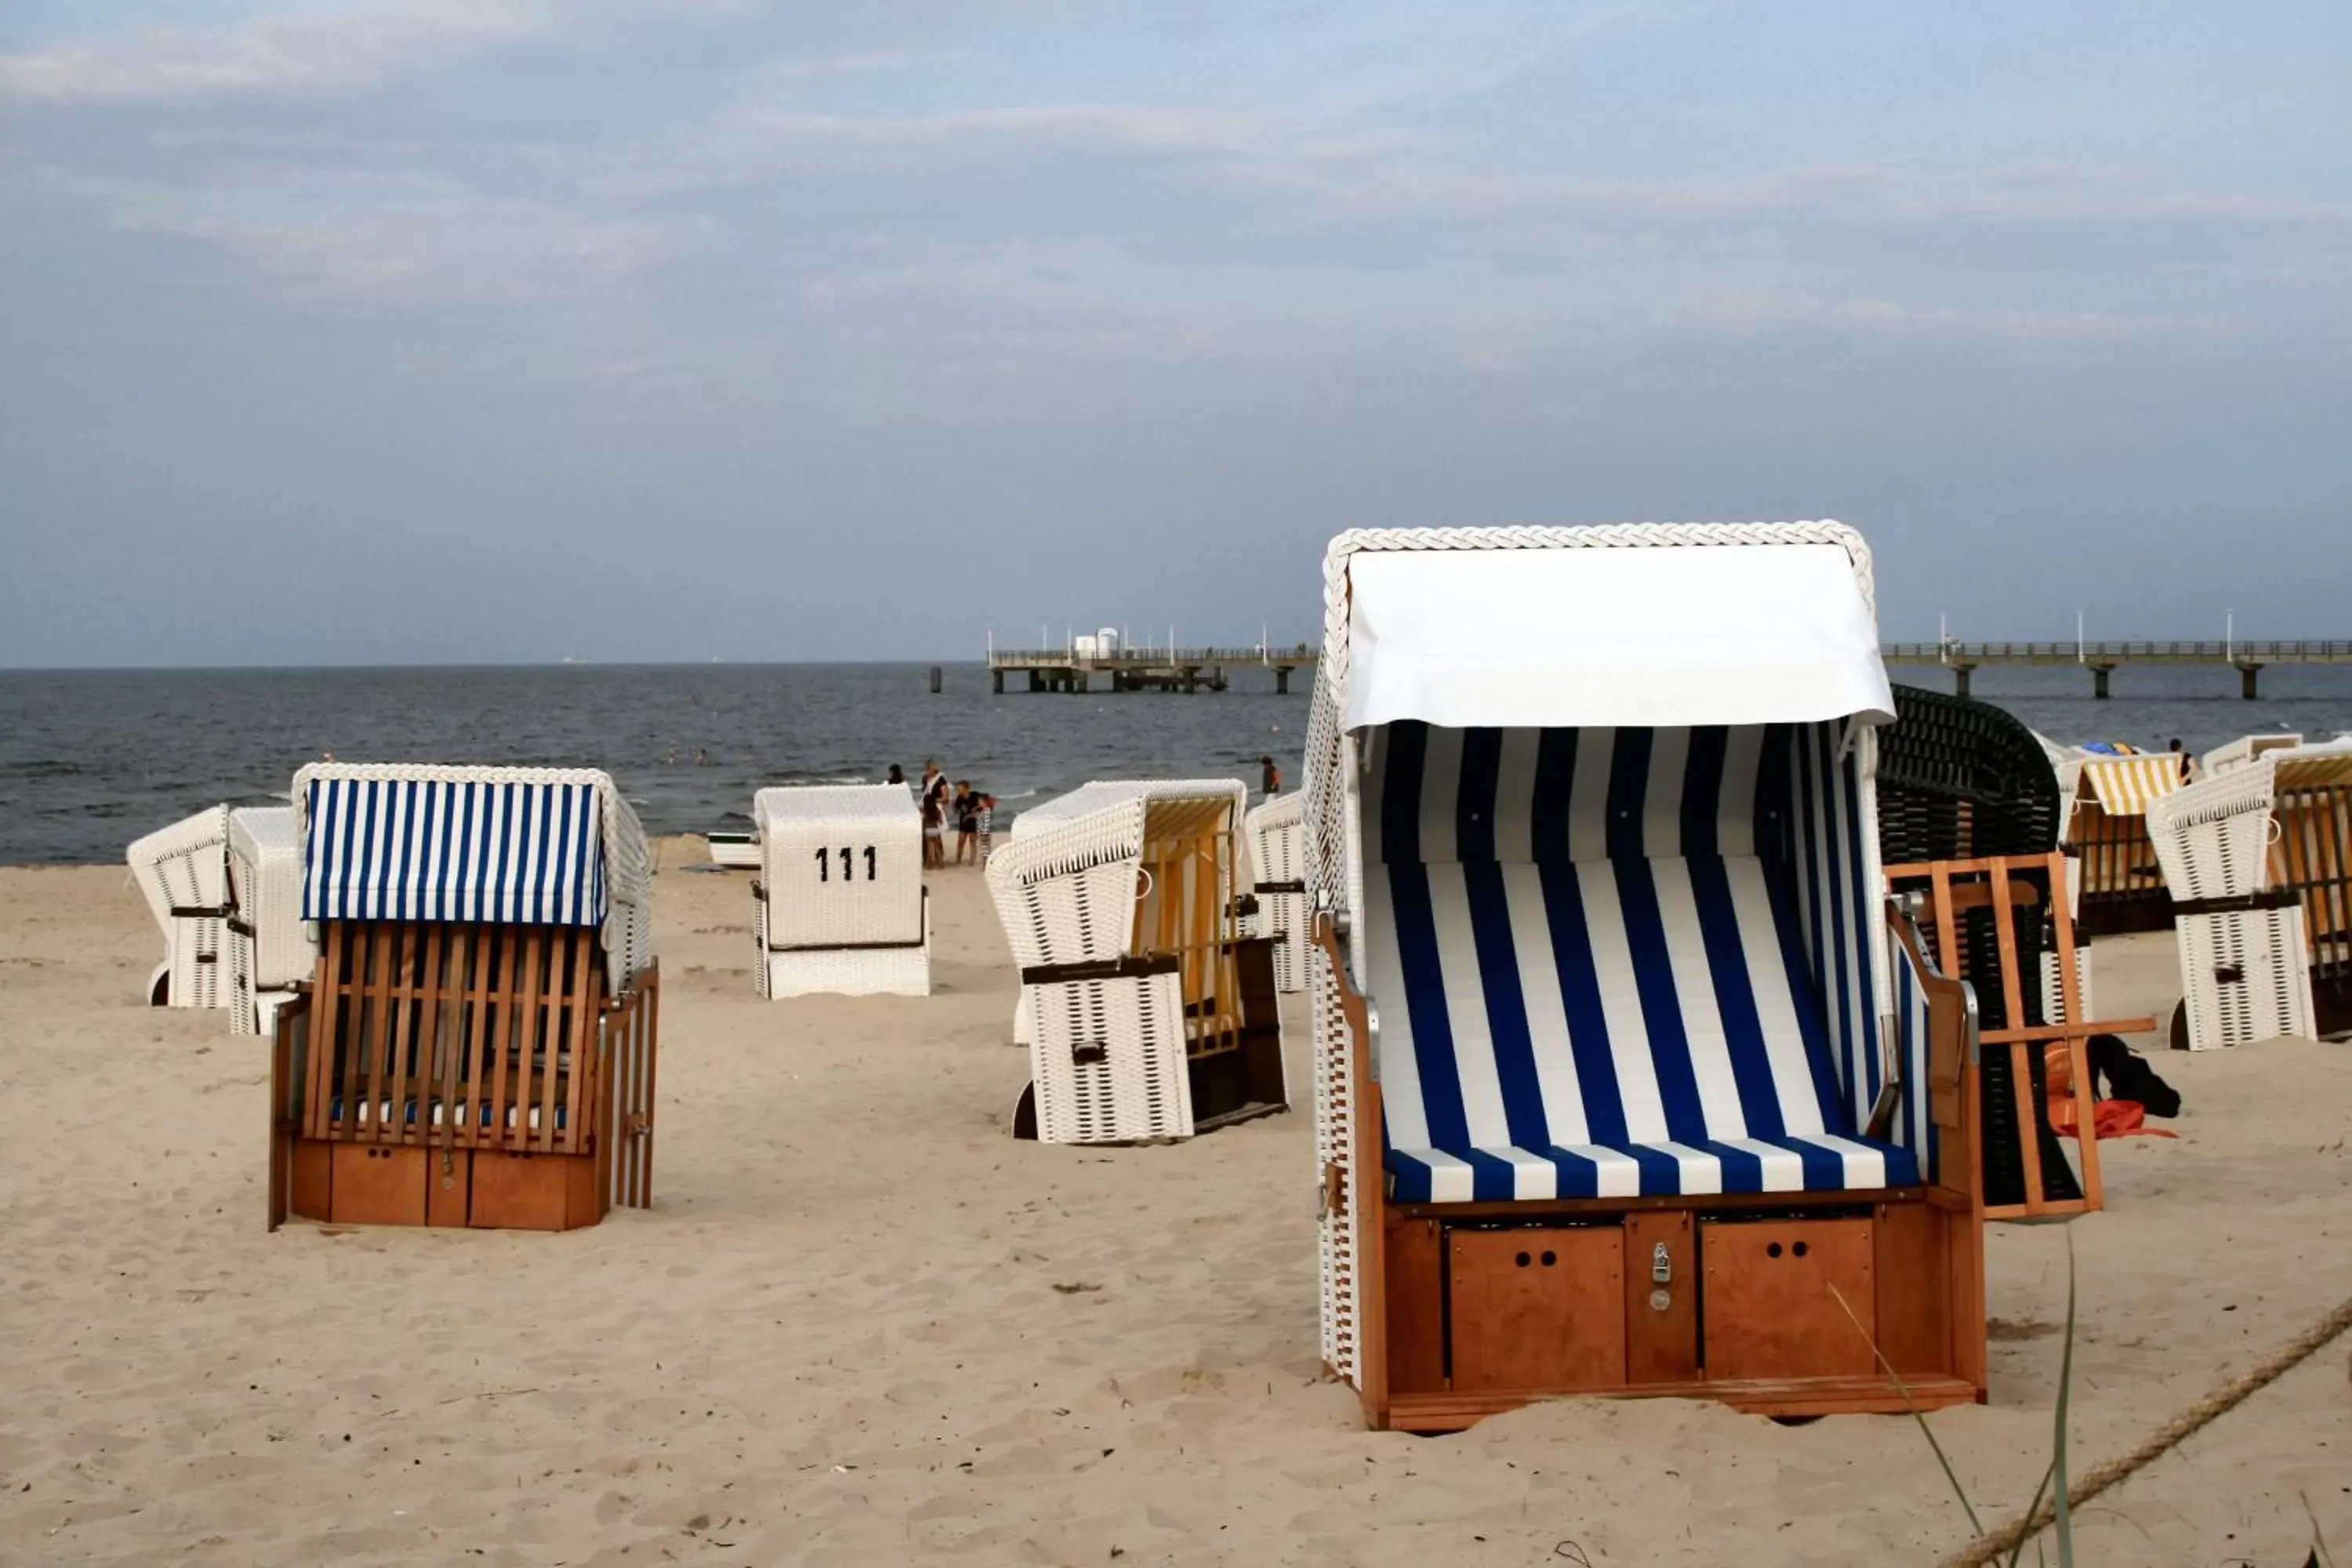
(2017, 1552)
(2064, 1524)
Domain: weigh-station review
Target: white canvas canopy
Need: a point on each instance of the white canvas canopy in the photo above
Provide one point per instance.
(1727, 633)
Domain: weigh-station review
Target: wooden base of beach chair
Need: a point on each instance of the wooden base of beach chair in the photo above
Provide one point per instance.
(364, 1183)
(534, 1192)
(1782, 1308)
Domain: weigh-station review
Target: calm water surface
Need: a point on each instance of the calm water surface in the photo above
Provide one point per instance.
(90, 760)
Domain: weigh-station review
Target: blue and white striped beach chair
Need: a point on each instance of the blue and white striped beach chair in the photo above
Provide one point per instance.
(1633, 1024)
(477, 1043)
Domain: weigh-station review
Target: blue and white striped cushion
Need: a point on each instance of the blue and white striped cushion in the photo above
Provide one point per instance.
(410, 849)
(1594, 983)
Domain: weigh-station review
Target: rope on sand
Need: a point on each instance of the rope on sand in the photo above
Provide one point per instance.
(1984, 1549)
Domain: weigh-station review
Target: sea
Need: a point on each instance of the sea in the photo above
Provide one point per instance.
(90, 760)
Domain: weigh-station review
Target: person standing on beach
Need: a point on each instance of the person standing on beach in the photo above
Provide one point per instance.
(1269, 776)
(967, 816)
(897, 774)
(934, 798)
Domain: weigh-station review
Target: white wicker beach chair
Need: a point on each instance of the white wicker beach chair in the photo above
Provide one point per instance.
(2250, 856)
(477, 1042)
(182, 869)
(270, 949)
(1277, 843)
(1606, 997)
(840, 906)
(1119, 903)
(2242, 751)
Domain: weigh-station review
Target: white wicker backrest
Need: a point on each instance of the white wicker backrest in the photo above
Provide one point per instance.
(1065, 891)
(2211, 838)
(841, 865)
(2240, 752)
(627, 930)
(265, 867)
(185, 865)
(1278, 835)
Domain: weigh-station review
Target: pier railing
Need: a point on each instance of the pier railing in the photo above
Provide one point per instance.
(1137, 657)
(2305, 650)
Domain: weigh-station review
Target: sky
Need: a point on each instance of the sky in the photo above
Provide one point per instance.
(508, 331)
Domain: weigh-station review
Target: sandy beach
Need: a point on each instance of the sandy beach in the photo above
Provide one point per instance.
(862, 1325)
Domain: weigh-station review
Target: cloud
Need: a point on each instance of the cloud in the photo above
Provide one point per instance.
(311, 50)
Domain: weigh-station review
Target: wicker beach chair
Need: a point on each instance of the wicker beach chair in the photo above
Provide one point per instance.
(840, 906)
(270, 949)
(2122, 882)
(2259, 859)
(1148, 1013)
(182, 869)
(477, 1044)
(1601, 970)
(2242, 751)
(1967, 817)
(1278, 842)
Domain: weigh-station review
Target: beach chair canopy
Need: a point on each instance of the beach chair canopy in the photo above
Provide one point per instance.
(1742, 632)
(498, 845)
(1609, 845)
(2125, 786)
(1068, 882)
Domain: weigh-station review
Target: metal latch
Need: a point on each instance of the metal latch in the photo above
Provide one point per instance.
(1662, 1266)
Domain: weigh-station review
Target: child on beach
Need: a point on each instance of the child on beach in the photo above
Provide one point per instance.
(967, 816)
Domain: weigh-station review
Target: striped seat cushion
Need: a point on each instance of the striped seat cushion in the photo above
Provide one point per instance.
(1626, 1006)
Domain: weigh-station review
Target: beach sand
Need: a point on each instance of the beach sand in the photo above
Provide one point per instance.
(862, 1325)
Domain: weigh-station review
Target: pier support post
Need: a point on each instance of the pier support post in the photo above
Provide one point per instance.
(2246, 674)
(1078, 681)
(996, 682)
(1282, 680)
(2099, 673)
(1960, 673)
(1037, 680)
(934, 680)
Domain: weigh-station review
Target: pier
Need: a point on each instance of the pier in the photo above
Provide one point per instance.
(2104, 658)
(1085, 669)
(1143, 669)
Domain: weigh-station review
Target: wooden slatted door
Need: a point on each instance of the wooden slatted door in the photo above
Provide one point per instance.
(625, 1152)
(464, 1037)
